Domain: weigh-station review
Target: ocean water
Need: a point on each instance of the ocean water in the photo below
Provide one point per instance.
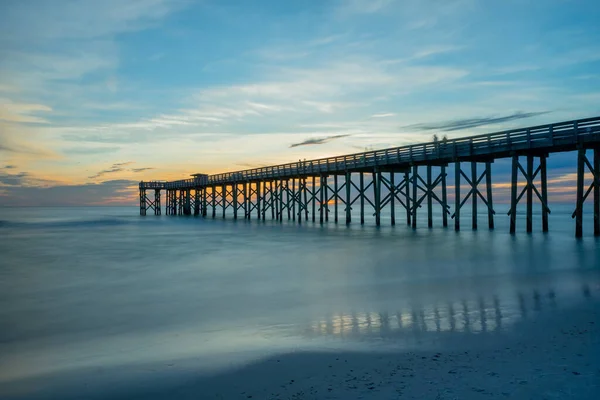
(106, 293)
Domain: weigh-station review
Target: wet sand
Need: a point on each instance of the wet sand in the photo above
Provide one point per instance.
(555, 356)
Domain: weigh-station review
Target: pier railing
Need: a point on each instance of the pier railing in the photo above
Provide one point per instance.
(551, 137)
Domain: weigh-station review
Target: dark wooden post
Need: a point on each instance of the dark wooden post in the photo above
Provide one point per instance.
(321, 197)
(246, 188)
(429, 198)
(362, 197)
(444, 198)
(488, 185)
(544, 184)
(579, 209)
(224, 198)
(376, 195)
(314, 199)
(474, 193)
(273, 198)
(157, 210)
(292, 204)
(258, 199)
(392, 196)
(529, 193)
(142, 201)
(235, 200)
(214, 201)
(326, 194)
(304, 189)
(415, 182)
(335, 198)
(407, 197)
(348, 199)
(597, 191)
(457, 195)
(513, 194)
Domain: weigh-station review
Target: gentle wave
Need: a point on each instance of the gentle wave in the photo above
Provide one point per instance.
(65, 224)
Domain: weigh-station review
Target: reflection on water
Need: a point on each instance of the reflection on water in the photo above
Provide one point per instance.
(102, 288)
(476, 315)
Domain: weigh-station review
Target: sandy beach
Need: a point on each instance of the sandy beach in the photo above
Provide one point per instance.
(554, 356)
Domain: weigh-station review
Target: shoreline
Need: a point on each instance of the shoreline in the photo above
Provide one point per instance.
(550, 356)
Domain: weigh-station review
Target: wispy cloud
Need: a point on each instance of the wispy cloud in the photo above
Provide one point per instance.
(142, 169)
(383, 115)
(474, 122)
(119, 191)
(322, 140)
(91, 150)
(22, 112)
(116, 167)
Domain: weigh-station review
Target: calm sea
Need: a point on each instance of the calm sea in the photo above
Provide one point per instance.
(104, 290)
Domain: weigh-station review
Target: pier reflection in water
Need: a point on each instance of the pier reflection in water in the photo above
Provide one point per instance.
(483, 314)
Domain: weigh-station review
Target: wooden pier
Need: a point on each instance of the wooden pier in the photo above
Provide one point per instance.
(318, 189)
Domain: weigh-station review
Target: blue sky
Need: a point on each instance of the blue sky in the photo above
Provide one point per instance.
(104, 94)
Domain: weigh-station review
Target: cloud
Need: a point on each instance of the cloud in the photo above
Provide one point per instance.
(21, 149)
(12, 179)
(383, 115)
(141, 169)
(9, 167)
(21, 112)
(117, 192)
(116, 167)
(323, 140)
(91, 150)
(85, 19)
(474, 122)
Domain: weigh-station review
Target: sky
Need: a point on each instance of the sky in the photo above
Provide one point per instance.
(98, 95)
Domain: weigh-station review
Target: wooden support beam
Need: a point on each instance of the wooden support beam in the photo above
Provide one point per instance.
(294, 198)
(235, 200)
(322, 183)
(444, 197)
(429, 198)
(214, 201)
(415, 179)
(457, 195)
(196, 202)
(335, 198)
(142, 201)
(513, 194)
(314, 199)
(544, 185)
(579, 199)
(596, 191)
(392, 198)
(258, 199)
(157, 210)
(362, 198)
(263, 203)
(276, 198)
(324, 188)
(204, 211)
(488, 185)
(287, 199)
(407, 197)
(304, 190)
(377, 196)
(474, 191)
(348, 199)
(224, 198)
(529, 193)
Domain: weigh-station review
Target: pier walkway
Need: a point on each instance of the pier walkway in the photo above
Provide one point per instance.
(319, 187)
